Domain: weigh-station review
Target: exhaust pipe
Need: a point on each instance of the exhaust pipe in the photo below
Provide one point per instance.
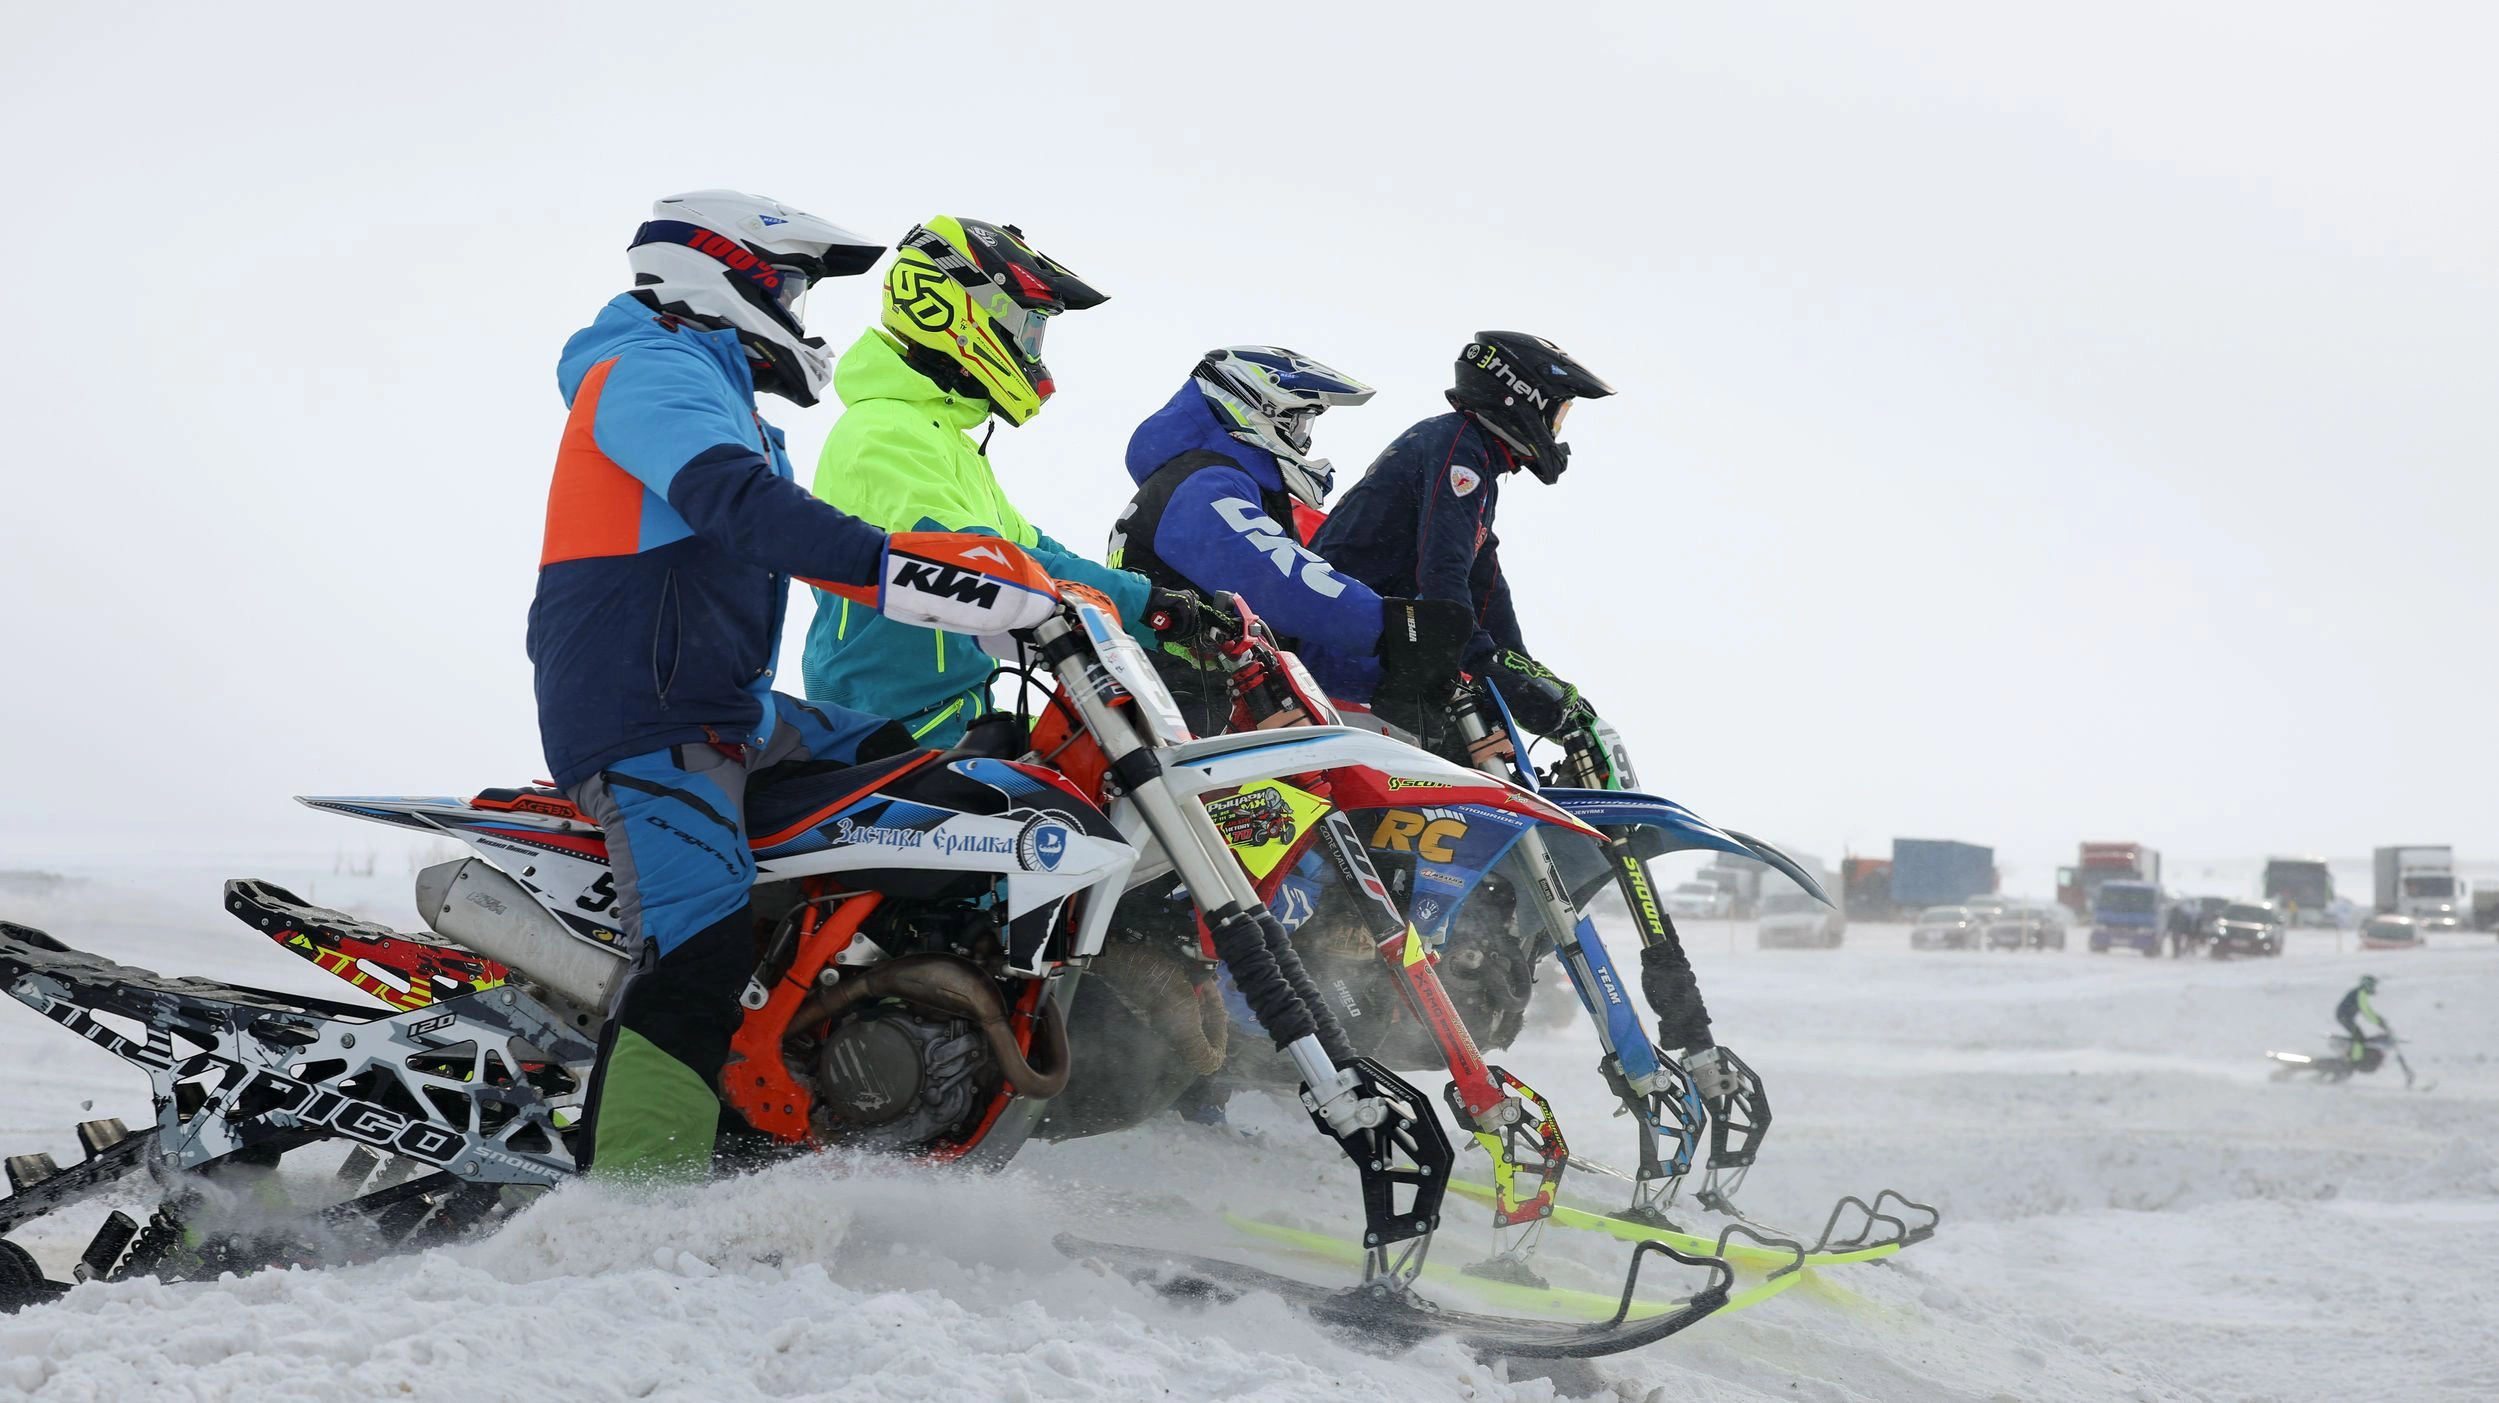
(469, 901)
(948, 984)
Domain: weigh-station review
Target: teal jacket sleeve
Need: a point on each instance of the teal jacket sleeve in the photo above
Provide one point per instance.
(1126, 590)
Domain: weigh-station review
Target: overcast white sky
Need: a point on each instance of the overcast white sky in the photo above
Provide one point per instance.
(2034, 425)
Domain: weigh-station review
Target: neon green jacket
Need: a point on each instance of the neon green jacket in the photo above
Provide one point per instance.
(902, 457)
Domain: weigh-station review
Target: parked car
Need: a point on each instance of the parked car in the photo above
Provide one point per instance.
(1700, 899)
(1947, 928)
(2247, 928)
(2026, 927)
(1991, 904)
(2390, 933)
(1791, 920)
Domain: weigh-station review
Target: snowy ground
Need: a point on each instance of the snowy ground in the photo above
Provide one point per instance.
(2133, 1211)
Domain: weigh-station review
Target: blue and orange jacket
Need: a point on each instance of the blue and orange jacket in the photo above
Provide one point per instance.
(673, 528)
(1419, 526)
(1212, 513)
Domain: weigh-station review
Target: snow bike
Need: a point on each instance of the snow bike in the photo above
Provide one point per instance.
(922, 884)
(1298, 823)
(2337, 1064)
(928, 915)
(1592, 780)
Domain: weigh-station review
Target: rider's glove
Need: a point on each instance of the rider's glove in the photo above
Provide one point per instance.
(1180, 614)
(1673, 995)
(1538, 700)
(961, 581)
(1711, 1076)
(1421, 641)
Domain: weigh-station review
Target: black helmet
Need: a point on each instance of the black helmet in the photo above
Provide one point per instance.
(1518, 386)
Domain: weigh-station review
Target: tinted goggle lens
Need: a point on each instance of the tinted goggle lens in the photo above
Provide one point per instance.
(792, 293)
(1026, 329)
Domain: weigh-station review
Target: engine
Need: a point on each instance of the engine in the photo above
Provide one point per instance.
(899, 1077)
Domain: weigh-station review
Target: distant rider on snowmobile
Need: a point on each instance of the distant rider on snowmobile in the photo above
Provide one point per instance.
(2356, 1006)
(674, 524)
(1420, 523)
(1227, 493)
(958, 341)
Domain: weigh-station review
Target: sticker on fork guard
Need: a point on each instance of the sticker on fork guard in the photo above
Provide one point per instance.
(1260, 821)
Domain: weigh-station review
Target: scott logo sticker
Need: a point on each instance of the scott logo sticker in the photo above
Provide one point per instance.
(1463, 479)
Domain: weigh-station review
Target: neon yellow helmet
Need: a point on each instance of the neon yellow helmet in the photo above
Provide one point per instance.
(969, 301)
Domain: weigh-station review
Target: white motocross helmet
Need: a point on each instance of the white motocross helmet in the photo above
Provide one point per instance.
(749, 261)
(1270, 396)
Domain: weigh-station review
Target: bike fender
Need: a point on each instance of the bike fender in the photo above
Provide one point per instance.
(1685, 830)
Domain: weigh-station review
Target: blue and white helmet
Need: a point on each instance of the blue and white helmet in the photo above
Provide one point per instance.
(1270, 395)
(748, 261)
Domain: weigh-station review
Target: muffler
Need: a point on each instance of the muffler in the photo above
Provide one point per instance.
(469, 901)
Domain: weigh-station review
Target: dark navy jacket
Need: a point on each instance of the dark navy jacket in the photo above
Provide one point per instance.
(673, 528)
(1212, 513)
(1419, 526)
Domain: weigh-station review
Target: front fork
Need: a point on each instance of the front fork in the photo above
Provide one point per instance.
(1385, 1126)
(1513, 1123)
(1653, 1088)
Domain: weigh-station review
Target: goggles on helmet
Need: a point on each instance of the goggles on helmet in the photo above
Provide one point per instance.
(791, 295)
(1024, 326)
(1294, 426)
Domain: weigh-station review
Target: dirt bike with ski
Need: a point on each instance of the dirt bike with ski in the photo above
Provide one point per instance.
(1657, 1091)
(928, 915)
(2338, 1063)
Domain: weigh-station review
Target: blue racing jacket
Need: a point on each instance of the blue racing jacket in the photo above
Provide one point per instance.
(1212, 513)
(673, 528)
(1419, 526)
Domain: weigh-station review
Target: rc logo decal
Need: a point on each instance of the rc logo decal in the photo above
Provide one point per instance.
(1463, 479)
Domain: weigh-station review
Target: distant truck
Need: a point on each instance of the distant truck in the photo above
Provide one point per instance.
(2420, 881)
(2301, 887)
(1939, 872)
(2126, 913)
(1866, 888)
(2076, 886)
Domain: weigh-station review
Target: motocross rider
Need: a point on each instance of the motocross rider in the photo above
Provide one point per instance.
(1227, 493)
(1420, 523)
(674, 524)
(958, 341)
(2356, 1006)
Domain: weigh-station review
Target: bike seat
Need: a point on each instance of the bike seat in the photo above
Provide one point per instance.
(787, 804)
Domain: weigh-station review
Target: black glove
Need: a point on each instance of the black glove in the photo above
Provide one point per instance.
(1420, 643)
(1538, 700)
(1674, 996)
(1185, 616)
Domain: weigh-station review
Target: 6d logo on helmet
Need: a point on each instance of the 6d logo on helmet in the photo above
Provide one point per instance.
(915, 293)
